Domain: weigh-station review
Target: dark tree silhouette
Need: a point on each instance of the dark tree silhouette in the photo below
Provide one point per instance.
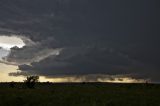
(31, 81)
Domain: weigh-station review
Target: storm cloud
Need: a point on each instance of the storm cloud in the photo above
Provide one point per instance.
(83, 37)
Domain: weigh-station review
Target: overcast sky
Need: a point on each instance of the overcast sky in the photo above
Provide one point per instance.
(81, 38)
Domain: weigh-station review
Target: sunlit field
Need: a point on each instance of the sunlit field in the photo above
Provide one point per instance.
(80, 94)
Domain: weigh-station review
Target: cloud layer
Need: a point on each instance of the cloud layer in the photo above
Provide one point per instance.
(80, 37)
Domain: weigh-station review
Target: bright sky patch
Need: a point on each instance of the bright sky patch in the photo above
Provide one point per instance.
(7, 42)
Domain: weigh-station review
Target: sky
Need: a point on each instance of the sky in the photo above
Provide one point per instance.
(80, 40)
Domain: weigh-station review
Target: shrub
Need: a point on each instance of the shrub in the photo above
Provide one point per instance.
(31, 81)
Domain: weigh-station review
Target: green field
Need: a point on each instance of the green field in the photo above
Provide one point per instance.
(88, 94)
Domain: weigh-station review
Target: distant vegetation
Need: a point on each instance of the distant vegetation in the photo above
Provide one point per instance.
(29, 82)
(12, 84)
(79, 94)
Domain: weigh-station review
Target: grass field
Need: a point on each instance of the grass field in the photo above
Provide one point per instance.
(88, 94)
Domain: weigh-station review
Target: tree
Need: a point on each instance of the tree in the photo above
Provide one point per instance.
(31, 81)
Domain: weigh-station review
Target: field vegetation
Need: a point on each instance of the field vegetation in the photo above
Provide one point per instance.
(79, 94)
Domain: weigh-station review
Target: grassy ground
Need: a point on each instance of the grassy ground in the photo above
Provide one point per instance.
(90, 94)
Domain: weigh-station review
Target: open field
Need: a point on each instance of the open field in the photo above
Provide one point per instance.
(82, 94)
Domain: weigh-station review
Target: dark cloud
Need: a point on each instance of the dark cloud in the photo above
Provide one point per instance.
(91, 36)
(80, 61)
(29, 54)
